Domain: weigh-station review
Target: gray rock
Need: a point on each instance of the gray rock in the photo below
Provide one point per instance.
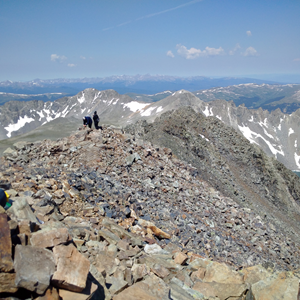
(21, 210)
(34, 267)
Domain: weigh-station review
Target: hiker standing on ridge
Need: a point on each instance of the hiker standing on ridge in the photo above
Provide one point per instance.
(87, 121)
(96, 120)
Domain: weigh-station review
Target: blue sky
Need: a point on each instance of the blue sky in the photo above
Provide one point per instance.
(97, 38)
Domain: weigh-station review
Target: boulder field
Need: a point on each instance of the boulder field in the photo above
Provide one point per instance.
(106, 215)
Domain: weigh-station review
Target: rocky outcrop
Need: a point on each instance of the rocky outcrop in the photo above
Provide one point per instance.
(144, 227)
(224, 158)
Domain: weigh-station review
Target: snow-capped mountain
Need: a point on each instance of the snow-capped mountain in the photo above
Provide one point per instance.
(275, 132)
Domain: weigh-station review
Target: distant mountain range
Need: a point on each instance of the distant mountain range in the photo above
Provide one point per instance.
(253, 93)
(275, 132)
(142, 84)
(5, 97)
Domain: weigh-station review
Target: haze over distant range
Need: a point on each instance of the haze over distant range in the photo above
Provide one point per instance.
(77, 39)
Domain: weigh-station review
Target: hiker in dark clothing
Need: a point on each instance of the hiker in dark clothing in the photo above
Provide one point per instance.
(96, 120)
(87, 121)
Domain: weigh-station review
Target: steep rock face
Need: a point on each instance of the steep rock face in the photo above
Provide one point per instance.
(230, 163)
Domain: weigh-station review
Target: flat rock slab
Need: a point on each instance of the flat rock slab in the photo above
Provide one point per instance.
(254, 274)
(34, 266)
(50, 238)
(221, 290)
(222, 273)
(142, 290)
(279, 286)
(6, 263)
(72, 268)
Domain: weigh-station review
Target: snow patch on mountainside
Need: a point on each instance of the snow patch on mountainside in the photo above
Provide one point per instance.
(81, 99)
(148, 111)
(20, 123)
(291, 131)
(267, 134)
(135, 106)
(279, 126)
(64, 112)
(251, 136)
(248, 133)
(96, 96)
(264, 123)
(40, 113)
(208, 112)
(49, 118)
(297, 160)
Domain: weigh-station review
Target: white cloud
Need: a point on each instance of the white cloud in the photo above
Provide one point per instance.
(82, 57)
(194, 53)
(170, 53)
(249, 33)
(59, 58)
(213, 51)
(250, 51)
(188, 54)
(237, 47)
(71, 65)
(296, 59)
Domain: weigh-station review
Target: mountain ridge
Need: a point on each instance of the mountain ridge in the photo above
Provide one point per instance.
(229, 162)
(275, 132)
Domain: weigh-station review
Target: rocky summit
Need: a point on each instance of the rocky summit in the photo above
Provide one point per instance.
(105, 214)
